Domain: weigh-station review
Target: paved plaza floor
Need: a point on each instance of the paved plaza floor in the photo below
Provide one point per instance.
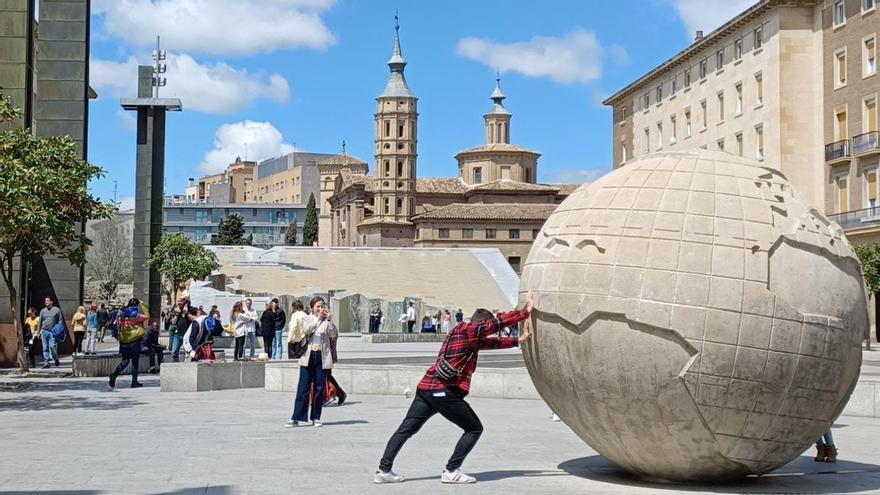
(66, 435)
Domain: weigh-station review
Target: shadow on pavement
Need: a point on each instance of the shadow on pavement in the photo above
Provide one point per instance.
(347, 422)
(799, 476)
(71, 384)
(41, 403)
(203, 490)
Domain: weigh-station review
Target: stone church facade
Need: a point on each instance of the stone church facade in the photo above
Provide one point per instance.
(494, 202)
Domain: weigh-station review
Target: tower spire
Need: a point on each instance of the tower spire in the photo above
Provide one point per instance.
(497, 96)
(397, 86)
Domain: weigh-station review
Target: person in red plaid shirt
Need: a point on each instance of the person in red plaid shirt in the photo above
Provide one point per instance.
(436, 395)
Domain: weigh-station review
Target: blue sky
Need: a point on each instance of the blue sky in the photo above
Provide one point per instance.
(306, 73)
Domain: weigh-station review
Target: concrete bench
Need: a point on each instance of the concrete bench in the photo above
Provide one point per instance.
(204, 376)
(220, 343)
(104, 364)
(391, 338)
(371, 379)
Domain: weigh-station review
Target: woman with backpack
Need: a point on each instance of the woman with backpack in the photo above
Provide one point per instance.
(130, 328)
(320, 334)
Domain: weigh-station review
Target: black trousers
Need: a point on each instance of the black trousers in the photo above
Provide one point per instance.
(239, 347)
(268, 338)
(409, 325)
(452, 406)
(78, 341)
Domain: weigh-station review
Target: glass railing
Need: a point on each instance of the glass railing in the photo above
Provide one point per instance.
(837, 150)
(863, 143)
(857, 218)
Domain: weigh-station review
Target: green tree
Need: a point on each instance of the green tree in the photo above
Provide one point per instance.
(178, 260)
(310, 227)
(869, 257)
(44, 198)
(230, 232)
(290, 235)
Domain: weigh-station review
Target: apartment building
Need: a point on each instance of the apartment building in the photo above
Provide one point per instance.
(290, 179)
(267, 224)
(851, 87)
(753, 87)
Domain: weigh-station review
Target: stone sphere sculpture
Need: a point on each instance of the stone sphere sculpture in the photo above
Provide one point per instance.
(695, 319)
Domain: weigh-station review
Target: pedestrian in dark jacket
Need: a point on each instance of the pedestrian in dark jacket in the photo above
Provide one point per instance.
(280, 319)
(267, 328)
(152, 347)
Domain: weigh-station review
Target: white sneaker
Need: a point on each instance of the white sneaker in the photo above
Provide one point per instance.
(389, 477)
(291, 424)
(317, 423)
(456, 477)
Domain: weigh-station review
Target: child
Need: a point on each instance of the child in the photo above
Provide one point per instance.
(152, 347)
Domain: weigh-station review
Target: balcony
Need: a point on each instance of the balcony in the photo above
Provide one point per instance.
(868, 142)
(856, 219)
(837, 150)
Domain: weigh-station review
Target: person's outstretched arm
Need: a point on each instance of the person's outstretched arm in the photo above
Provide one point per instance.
(493, 326)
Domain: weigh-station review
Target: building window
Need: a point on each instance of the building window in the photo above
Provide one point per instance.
(490, 233)
(529, 171)
(720, 106)
(738, 49)
(467, 233)
(647, 140)
(515, 262)
(535, 233)
(703, 64)
(840, 68)
(869, 54)
(720, 144)
(840, 124)
(739, 144)
(719, 60)
(622, 153)
(659, 93)
(871, 189)
(687, 78)
(687, 122)
(400, 169)
(839, 10)
(443, 233)
(398, 209)
(759, 89)
(478, 175)
(400, 130)
(387, 168)
(739, 98)
(869, 119)
(842, 194)
(659, 135)
(868, 5)
(505, 173)
(387, 128)
(674, 85)
(759, 37)
(203, 216)
(673, 132)
(704, 117)
(513, 234)
(386, 206)
(646, 101)
(759, 142)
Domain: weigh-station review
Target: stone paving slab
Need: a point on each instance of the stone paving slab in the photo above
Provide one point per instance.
(139, 441)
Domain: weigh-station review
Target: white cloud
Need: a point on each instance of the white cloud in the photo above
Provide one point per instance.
(213, 88)
(618, 55)
(706, 15)
(126, 203)
(575, 176)
(573, 58)
(126, 120)
(228, 27)
(262, 138)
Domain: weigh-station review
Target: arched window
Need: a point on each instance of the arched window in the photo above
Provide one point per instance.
(399, 207)
(400, 169)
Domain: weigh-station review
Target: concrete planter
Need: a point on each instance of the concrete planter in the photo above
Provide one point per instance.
(203, 377)
(104, 364)
(391, 338)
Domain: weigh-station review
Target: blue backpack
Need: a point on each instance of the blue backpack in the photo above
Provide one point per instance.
(212, 326)
(59, 332)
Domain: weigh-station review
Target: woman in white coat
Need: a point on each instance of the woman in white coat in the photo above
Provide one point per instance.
(240, 321)
(321, 335)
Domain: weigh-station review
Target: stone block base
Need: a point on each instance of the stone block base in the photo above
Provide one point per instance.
(203, 377)
(104, 364)
(392, 338)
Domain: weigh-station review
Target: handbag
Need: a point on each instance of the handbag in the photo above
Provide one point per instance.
(329, 392)
(59, 331)
(296, 350)
(445, 371)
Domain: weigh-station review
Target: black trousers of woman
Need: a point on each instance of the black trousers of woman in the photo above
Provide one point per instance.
(239, 348)
(78, 341)
(268, 338)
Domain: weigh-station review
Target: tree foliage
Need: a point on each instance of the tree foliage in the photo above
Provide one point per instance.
(230, 232)
(44, 198)
(310, 227)
(290, 235)
(178, 259)
(110, 259)
(869, 257)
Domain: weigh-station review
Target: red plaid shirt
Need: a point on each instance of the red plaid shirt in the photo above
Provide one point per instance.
(462, 340)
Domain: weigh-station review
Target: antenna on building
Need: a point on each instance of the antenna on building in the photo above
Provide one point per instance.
(699, 35)
(158, 68)
(343, 147)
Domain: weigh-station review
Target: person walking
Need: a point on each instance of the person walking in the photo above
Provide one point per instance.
(410, 317)
(250, 328)
(240, 319)
(91, 329)
(446, 384)
(459, 316)
(447, 321)
(297, 322)
(78, 322)
(267, 327)
(103, 316)
(50, 316)
(277, 351)
(130, 333)
(152, 347)
(112, 317)
(186, 315)
(319, 356)
(31, 334)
